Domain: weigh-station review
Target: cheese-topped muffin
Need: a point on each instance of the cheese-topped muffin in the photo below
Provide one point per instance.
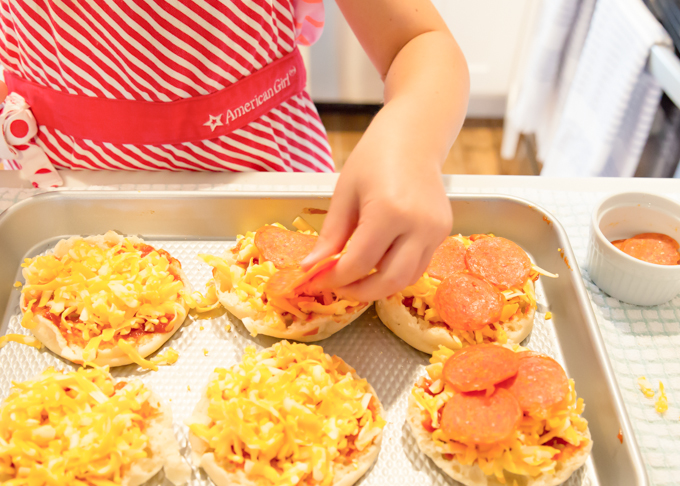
(288, 415)
(241, 275)
(81, 427)
(105, 299)
(492, 414)
(476, 289)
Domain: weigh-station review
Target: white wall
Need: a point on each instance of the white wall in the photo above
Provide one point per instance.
(340, 71)
(489, 32)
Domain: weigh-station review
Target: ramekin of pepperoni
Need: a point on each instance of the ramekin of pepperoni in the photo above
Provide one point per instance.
(633, 248)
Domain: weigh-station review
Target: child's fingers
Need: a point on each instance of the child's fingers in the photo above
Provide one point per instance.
(369, 245)
(402, 266)
(338, 226)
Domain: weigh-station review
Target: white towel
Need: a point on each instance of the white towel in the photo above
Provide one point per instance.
(553, 110)
(611, 102)
(539, 81)
(560, 32)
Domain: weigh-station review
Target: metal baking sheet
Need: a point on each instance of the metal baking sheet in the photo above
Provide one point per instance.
(187, 223)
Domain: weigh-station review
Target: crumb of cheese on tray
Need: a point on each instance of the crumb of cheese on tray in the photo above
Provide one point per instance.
(21, 339)
(227, 327)
(661, 405)
(201, 303)
(548, 316)
(18, 284)
(645, 387)
(165, 358)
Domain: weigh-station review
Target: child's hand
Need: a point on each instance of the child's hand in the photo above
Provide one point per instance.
(393, 204)
(390, 198)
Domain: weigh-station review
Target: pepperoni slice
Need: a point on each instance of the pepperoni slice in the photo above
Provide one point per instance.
(282, 247)
(540, 384)
(619, 244)
(467, 302)
(651, 247)
(474, 418)
(448, 258)
(480, 367)
(500, 261)
(286, 280)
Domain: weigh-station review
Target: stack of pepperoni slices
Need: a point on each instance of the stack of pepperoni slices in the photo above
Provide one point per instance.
(493, 411)
(476, 289)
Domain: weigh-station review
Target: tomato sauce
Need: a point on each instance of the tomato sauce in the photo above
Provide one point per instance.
(146, 249)
(566, 449)
(313, 211)
(72, 335)
(75, 336)
(161, 328)
(427, 425)
(651, 247)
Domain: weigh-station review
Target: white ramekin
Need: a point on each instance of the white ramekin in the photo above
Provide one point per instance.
(620, 275)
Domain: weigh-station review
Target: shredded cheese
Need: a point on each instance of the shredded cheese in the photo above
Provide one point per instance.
(245, 272)
(302, 225)
(17, 284)
(290, 414)
(73, 428)
(661, 405)
(21, 339)
(202, 304)
(103, 290)
(165, 358)
(540, 271)
(548, 316)
(530, 451)
(517, 302)
(645, 387)
(134, 355)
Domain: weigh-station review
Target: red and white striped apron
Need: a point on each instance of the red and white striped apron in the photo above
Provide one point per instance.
(155, 52)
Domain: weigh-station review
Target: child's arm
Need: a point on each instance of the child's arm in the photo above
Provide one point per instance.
(390, 194)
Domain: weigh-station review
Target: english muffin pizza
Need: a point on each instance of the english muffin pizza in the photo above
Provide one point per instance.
(476, 289)
(106, 299)
(82, 428)
(287, 415)
(493, 414)
(259, 280)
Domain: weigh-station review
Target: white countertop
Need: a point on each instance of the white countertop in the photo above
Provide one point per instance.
(76, 179)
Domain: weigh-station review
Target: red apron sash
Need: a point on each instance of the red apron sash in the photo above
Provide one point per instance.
(155, 123)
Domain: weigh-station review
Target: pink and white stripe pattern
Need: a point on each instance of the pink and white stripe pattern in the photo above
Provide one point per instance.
(163, 51)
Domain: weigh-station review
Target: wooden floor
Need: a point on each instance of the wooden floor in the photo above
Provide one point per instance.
(476, 151)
